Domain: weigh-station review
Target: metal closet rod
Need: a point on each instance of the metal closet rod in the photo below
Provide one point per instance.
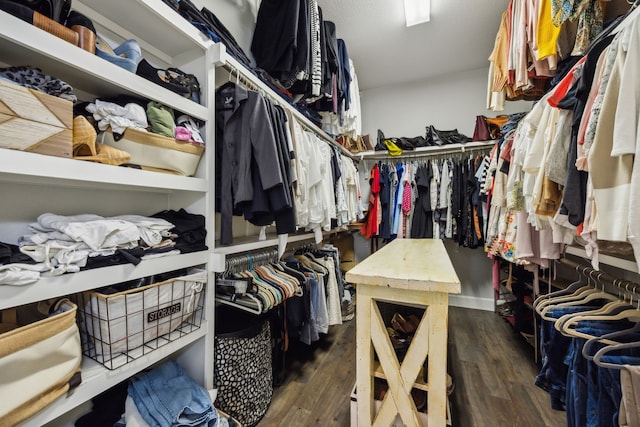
(601, 276)
(242, 76)
(462, 149)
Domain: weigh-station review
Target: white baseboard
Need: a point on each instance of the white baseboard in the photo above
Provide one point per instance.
(463, 301)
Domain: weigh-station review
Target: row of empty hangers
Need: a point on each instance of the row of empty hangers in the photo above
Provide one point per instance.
(249, 261)
(622, 303)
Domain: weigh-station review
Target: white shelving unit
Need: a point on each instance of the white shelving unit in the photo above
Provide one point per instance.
(32, 184)
(621, 263)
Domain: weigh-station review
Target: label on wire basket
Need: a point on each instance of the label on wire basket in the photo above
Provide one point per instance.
(152, 316)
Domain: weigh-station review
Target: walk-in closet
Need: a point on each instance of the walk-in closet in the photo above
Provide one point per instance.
(238, 213)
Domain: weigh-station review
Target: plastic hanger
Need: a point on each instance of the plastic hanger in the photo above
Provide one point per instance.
(571, 289)
(597, 358)
(629, 314)
(615, 305)
(587, 288)
(607, 338)
(577, 287)
(586, 297)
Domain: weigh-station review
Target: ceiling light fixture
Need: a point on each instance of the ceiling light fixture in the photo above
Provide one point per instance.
(417, 11)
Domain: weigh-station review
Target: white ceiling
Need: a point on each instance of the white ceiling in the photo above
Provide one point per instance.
(459, 37)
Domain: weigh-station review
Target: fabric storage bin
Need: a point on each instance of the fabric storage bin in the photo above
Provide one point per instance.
(35, 121)
(120, 327)
(40, 358)
(243, 368)
(155, 152)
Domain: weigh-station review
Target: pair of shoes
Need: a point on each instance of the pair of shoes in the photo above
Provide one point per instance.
(128, 55)
(419, 398)
(392, 147)
(380, 144)
(85, 29)
(188, 80)
(161, 77)
(406, 143)
(85, 146)
(407, 326)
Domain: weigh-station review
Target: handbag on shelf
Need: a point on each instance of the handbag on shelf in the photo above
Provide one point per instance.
(442, 137)
(495, 124)
(481, 131)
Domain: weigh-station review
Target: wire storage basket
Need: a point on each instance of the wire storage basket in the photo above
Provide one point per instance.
(117, 328)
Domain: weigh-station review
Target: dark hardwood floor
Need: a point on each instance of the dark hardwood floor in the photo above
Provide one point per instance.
(492, 368)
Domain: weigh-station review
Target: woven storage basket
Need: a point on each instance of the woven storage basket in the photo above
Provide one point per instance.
(34, 121)
(155, 152)
(40, 360)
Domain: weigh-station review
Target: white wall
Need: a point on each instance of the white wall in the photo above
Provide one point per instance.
(446, 102)
(237, 16)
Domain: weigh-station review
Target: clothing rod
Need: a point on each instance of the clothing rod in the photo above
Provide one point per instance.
(267, 91)
(239, 306)
(600, 276)
(431, 152)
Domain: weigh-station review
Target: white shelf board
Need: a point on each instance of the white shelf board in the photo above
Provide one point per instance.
(97, 379)
(153, 21)
(50, 287)
(251, 243)
(23, 43)
(622, 263)
(25, 167)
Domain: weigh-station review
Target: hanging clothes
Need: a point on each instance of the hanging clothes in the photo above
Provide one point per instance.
(433, 198)
(246, 180)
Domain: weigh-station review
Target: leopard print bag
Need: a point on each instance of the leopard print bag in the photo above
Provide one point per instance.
(243, 375)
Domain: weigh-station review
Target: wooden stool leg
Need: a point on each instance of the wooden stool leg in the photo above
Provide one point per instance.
(437, 367)
(364, 357)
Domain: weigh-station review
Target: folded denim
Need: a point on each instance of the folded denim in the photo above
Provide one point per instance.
(166, 396)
